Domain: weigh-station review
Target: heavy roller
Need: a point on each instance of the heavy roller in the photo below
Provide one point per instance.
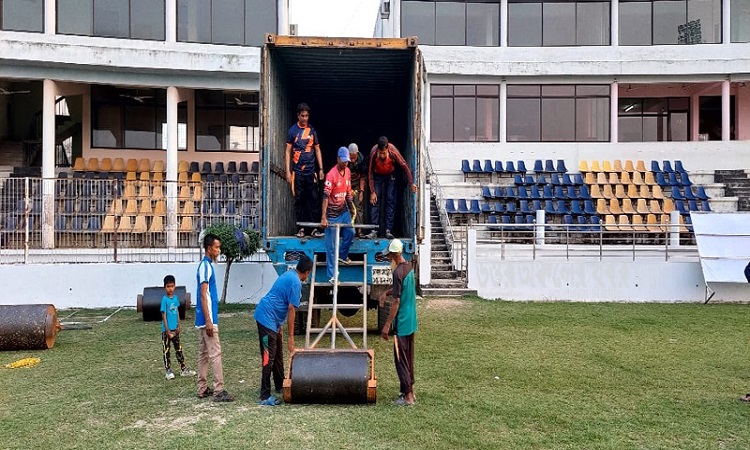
(149, 303)
(332, 375)
(28, 327)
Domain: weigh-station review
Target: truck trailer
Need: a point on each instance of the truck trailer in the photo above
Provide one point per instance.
(357, 89)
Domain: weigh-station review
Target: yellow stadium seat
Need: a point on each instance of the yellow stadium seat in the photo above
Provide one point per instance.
(657, 193)
(195, 177)
(638, 179)
(116, 207)
(109, 224)
(629, 166)
(157, 191)
(145, 207)
(198, 193)
(583, 166)
(158, 166)
(601, 207)
(145, 176)
(106, 165)
(595, 166)
(601, 178)
(641, 207)
(144, 191)
(188, 208)
(596, 192)
(126, 224)
(160, 208)
(118, 165)
(132, 165)
(654, 207)
(620, 191)
(649, 179)
(624, 223)
(131, 207)
(610, 224)
(668, 205)
(606, 166)
(131, 176)
(640, 166)
(614, 206)
(625, 178)
(140, 224)
(632, 191)
(157, 224)
(158, 176)
(79, 165)
(613, 178)
(645, 192)
(652, 224)
(184, 192)
(617, 165)
(638, 223)
(92, 165)
(683, 228)
(144, 165)
(627, 206)
(182, 177)
(665, 222)
(186, 224)
(183, 166)
(607, 192)
(129, 190)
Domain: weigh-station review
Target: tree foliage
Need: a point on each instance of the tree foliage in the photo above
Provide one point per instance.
(236, 245)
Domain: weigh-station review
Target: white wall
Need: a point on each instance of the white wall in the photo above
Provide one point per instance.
(107, 285)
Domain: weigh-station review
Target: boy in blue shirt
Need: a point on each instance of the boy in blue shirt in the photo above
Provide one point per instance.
(274, 308)
(170, 329)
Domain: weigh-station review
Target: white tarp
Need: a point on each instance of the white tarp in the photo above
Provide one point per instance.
(723, 245)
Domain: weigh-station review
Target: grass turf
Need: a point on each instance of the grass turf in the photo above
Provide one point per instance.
(488, 375)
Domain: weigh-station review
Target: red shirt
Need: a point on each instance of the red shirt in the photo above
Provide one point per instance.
(338, 189)
(387, 166)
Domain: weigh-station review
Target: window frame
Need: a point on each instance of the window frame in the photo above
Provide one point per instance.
(211, 22)
(666, 115)
(476, 95)
(542, 3)
(466, 16)
(687, 16)
(226, 127)
(44, 13)
(130, 24)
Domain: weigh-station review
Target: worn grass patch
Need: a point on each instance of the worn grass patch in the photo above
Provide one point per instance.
(488, 375)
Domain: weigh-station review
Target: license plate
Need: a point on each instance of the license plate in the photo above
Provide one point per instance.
(382, 275)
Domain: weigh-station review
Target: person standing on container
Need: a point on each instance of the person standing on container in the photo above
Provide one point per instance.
(358, 170)
(302, 152)
(337, 204)
(382, 178)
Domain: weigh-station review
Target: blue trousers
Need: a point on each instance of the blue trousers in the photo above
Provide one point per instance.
(385, 189)
(347, 236)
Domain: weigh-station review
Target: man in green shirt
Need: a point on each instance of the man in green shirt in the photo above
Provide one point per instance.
(404, 312)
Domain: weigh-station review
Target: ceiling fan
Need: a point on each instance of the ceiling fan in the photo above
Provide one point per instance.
(138, 98)
(7, 92)
(239, 102)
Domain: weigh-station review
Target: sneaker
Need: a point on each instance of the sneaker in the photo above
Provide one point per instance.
(270, 401)
(301, 233)
(207, 393)
(223, 396)
(388, 234)
(169, 375)
(346, 261)
(187, 372)
(372, 235)
(401, 401)
(317, 234)
(332, 281)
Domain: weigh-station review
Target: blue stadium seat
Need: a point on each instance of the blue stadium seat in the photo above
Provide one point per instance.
(242, 169)
(660, 180)
(535, 194)
(667, 167)
(492, 219)
(254, 168)
(524, 207)
(536, 205)
(245, 222)
(477, 166)
(676, 194)
(206, 168)
(522, 192)
(219, 168)
(232, 167)
(701, 193)
(688, 193)
(486, 193)
(583, 224)
(463, 208)
(705, 206)
(510, 208)
(518, 180)
(595, 224)
(672, 179)
(216, 207)
(510, 168)
(519, 220)
(541, 179)
(577, 179)
(685, 179)
(511, 192)
(588, 207)
(498, 207)
(488, 166)
(486, 207)
(679, 205)
(584, 194)
(693, 205)
(475, 207)
(505, 220)
(568, 220)
(538, 168)
(547, 191)
(561, 208)
(575, 207)
(247, 208)
(530, 220)
(655, 167)
(231, 208)
(689, 223)
(521, 167)
(68, 206)
(571, 193)
(561, 166)
(549, 207)
(529, 180)
(60, 223)
(76, 223)
(194, 167)
(554, 179)
(499, 167)
(559, 193)
(549, 166)
(678, 166)
(500, 192)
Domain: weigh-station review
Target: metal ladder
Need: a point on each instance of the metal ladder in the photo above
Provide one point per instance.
(334, 326)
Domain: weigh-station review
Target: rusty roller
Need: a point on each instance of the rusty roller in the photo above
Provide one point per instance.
(28, 327)
(149, 303)
(331, 376)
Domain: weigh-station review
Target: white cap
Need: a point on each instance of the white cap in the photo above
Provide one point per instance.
(353, 148)
(396, 246)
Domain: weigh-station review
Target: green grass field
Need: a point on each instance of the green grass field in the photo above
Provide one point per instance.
(489, 375)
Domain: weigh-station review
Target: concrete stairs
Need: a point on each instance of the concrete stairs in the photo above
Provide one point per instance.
(736, 184)
(446, 281)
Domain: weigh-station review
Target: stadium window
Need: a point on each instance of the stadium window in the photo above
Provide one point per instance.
(558, 23)
(668, 22)
(472, 23)
(133, 118)
(112, 18)
(464, 113)
(558, 113)
(229, 22)
(740, 20)
(26, 15)
(653, 119)
(227, 121)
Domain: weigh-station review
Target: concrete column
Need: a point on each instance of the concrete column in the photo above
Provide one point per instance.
(172, 226)
(503, 126)
(48, 163)
(471, 258)
(50, 16)
(614, 24)
(674, 229)
(614, 109)
(425, 254)
(503, 23)
(695, 123)
(170, 17)
(726, 36)
(541, 219)
(725, 116)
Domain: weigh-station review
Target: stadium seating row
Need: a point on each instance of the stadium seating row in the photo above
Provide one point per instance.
(145, 165)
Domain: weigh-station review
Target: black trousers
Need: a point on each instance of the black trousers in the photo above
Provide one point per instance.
(272, 358)
(165, 340)
(306, 199)
(403, 354)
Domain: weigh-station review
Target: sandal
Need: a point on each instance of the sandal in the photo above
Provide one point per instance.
(301, 233)
(205, 394)
(223, 396)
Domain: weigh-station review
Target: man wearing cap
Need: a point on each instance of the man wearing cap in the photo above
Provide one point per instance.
(358, 170)
(382, 177)
(337, 207)
(404, 312)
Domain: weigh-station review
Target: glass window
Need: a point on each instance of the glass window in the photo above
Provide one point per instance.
(482, 24)
(592, 119)
(75, 17)
(140, 126)
(194, 21)
(668, 17)
(441, 119)
(418, 19)
(161, 132)
(111, 18)
(558, 119)
(464, 113)
(525, 24)
(706, 15)
(450, 23)
(654, 119)
(228, 22)
(22, 15)
(260, 18)
(227, 121)
(740, 21)
(559, 24)
(524, 117)
(148, 25)
(107, 126)
(635, 23)
(592, 23)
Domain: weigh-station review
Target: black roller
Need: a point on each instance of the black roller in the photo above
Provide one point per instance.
(150, 302)
(330, 376)
(28, 327)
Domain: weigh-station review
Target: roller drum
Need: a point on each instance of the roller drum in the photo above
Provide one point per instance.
(28, 327)
(330, 377)
(150, 302)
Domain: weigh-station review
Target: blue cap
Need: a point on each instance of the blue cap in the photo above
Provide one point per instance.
(344, 154)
